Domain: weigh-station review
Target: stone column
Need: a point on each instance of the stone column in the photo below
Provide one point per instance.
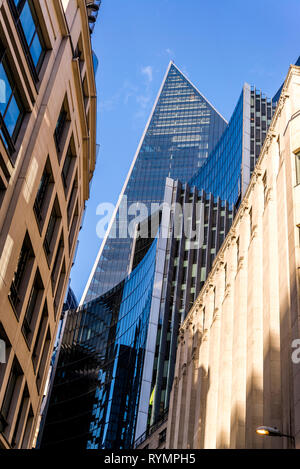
(255, 356)
(181, 394)
(239, 345)
(225, 356)
(200, 377)
(271, 318)
(216, 296)
(191, 371)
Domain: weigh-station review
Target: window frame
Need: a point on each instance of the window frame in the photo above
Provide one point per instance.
(16, 13)
(7, 138)
(33, 305)
(23, 268)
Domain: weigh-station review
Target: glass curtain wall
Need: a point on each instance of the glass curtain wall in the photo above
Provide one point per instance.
(183, 130)
(94, 401)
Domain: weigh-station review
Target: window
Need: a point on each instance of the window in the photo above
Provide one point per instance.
(297, 163)
(12, 384)
(72, 198)
(60, 286)
(40, 337)
(62, 127)
(68, 165)
(11, 109)
(44, 357)
(45, 182)
(30, 33)
(33, 301)
(24, 261)
(57, 262)
(73, 227)
(78, 53)
(28, 429)
(213, 238)
(20, 418)
(205, 235)
(5, 350)
(52, 225)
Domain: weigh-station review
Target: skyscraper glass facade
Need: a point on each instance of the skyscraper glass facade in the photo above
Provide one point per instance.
(185, 262)
(183, 130)
(221, 173)
(227, 170)
(219, 185)
(95, 396)
(261, 113)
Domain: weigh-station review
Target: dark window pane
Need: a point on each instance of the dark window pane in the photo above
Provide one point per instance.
(12, 115)
(25, 254)
(41, 193)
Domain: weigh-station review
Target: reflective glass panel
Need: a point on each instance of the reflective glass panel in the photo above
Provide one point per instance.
(98, 381)
(12, 116)
(30, 31)
(183, 130)
(36, 49)
(5, 90)
(27, 23)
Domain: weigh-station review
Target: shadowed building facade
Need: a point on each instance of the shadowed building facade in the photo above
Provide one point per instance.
(47, 159)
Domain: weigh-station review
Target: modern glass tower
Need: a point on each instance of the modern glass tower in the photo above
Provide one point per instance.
(116, 364)
(182, 131)
(96, 390)
(226, 172)
(218, 186)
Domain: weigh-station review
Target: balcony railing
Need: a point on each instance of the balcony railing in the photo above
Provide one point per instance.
(151, 430)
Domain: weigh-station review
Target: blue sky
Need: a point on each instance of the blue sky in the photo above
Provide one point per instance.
(218, 44)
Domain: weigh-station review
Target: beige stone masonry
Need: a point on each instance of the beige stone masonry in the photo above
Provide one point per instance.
(248, 311)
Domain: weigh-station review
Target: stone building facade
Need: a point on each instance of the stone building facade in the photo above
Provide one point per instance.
(47, 159)
(234, 368)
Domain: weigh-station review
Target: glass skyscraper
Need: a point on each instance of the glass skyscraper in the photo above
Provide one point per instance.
(226, 172)
(218, 185)
(182, 131)
(95, 395)
(116, 364)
